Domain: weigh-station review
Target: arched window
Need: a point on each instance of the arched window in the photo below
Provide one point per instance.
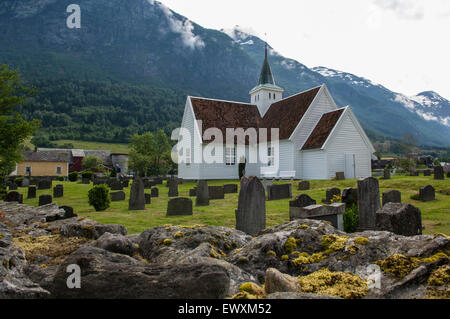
(270, 96)
(274, 96)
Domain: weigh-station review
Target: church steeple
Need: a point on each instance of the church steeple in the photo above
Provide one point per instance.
(266, 92)
(266, 76)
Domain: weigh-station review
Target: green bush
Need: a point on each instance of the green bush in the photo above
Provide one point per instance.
(73, 177)
(18, 181)
(99, 197)
(61, 178)
(351, 219)
(87, 174)
(448, 174)
(113, 173)
(415, 197)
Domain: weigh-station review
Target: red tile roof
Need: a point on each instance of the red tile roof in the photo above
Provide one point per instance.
(284, 114)
(322, 130)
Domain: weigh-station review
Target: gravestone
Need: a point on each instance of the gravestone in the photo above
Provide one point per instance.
(393, 196)
(68, 212)
(439, 172)
(44, 184)
(45, 200)
(251, 211)
(304, 186)
(117, 196)
(158, 180)
(13, 187)
(414, 173)
(25, 182)
(148, 183)
(154, 192)
(368, 202)
(115, 185)
(427, 193)
(86, 181)
(427, 172)
(100, 181)
(179, 207)
(137, 197)
(216, 192)
(58, 191)
(31, 192)
(387, 173)
(302, 200)
(332, 213)
(230, 188)
(125, 183)
(148, 199)
(350, 197)
(340, 176)
(330, 193)
(400, 219)
(193, 192)
(279, 191)
(173, 187)
(14, 197)
(202, 193)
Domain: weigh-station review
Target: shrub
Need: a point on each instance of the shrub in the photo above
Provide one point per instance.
(91, 163)
(448, 174)
(18, 181)
(87, 174)
(351, 219)
(99, 197)
(73, 177)
(113, 173)
(61, 178)
(415, 197)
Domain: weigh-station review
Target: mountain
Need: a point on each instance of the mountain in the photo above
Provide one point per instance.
(132, 63)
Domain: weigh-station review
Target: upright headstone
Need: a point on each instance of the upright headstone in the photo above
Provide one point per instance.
(304, 186)
(330, 193)
(414, 173)
(400, 219)
(427, 193)
(251, 211)
(125, 183)
(216, 192)
(202, 193)
(58, 191)
(155, 192)
(387, 173)
(13, 187)
(14, 197)
(279, 191)
(137, 197)
(68, 212)
(179, 206)
(427, 172)
(392, 196)
(44, 184)
(45, 199)
(31, 192)
(302, 200)
(117, 196)
(368, 202)
(148, 199)
(439, 172)
(115, 185)
(173, 187)
(350, 197)
(230, 188)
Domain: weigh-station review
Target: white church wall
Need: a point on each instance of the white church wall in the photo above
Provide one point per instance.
(314, 164)
(189, 171)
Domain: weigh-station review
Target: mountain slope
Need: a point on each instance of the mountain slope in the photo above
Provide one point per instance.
(132, 63)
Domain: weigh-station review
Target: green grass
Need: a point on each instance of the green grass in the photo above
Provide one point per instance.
(435, 215)
(113, 147)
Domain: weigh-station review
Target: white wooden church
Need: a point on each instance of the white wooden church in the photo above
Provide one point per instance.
(317, 139)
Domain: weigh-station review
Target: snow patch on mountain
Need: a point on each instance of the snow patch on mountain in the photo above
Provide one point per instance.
(348, 77)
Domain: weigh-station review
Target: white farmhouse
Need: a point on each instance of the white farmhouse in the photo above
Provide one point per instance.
(316, 137)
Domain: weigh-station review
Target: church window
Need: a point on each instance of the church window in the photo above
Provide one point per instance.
(270, 96)
(230, 156)
(271, 156)
(188, 157)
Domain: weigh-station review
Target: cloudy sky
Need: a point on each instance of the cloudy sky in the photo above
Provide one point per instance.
(401, 44)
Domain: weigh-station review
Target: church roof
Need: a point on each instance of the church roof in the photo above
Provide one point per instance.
(323, 129)
(284, 114)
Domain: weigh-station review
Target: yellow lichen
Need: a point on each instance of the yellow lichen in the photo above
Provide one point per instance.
(303, 227)
(352, 249)
(361, 240)
(236, 251)
(439, 283)
(243, 259)
(178, 235)
(252, 288)
(334, 242)
(167, 242)
(398, 265)
(290, 245)
(271, 253)
(438, 256)
(304, 258)
(2, 236)
(43, 266)
(342, 284)
(218, 255)
(244, 295)
(284, 257)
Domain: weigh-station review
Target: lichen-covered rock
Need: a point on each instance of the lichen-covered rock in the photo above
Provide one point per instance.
(116, 243)
(108, 275)
(91, 230)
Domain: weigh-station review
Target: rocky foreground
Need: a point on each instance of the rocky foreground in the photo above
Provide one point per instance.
(303, 259)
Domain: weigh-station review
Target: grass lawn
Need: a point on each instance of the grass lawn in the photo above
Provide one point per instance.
(113, 147)
(435, 215)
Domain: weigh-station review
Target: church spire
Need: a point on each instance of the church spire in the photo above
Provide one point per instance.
(266, 76)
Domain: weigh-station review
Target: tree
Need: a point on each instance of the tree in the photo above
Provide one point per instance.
(14, 130)
(140, 156)
(161, 154)
(91, 163)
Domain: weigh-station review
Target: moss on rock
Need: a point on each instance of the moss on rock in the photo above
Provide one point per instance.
(398, 265)
(290, 245)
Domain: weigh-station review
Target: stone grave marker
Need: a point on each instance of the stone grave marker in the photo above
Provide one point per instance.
(427, 193)
(340, 176)
(216, 192)
(368, 202)
(400, 219)
(350, 197)
(202, 193)
(14, 197)
(154, 192)
(230, 188)
(117, 196)
(173, 187)
(330, 193)
(332, 213)
(392, 196)
(279, 191)
(179, 206)
(31, 192)
(304, 186)
(137, 197)
(44, 184)
(45, 200)
(439, 172)
(148, 199)
(387, 173)
(251, 211)
(58, 191)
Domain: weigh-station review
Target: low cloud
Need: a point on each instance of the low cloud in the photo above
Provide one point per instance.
(404, 9)
(184, 28)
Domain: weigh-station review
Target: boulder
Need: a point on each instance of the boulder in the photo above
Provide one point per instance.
(401, 219)
(90, 230)
(116, 243)
(278, 282)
